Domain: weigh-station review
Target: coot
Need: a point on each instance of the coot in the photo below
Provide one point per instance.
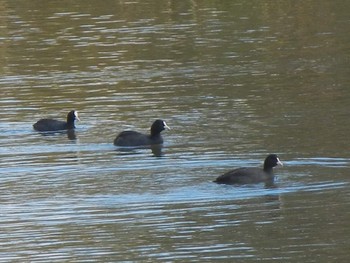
(133, 138)
(46, 125)
(251, 175)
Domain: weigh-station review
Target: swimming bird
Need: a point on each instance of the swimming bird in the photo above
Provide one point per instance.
(133, 138)
(46, 125)
(250, 175)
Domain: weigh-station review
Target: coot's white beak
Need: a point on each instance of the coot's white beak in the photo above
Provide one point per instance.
(166, 126)
(76, 116)
(279, 162)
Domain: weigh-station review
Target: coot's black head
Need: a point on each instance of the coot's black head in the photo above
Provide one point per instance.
(158, 126)
(271, 161)
(72, 116)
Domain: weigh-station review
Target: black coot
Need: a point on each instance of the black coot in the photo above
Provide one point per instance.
(251, 175)
(47, 125)
(133, 138)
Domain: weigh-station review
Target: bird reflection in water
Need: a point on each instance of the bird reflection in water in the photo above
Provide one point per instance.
(156, 149)
(71, 134)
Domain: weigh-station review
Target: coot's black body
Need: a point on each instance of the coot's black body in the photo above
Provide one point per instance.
(133, 138)
(47, 125)
(251, 175)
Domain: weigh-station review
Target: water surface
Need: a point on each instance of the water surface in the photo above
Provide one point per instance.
(235, 81)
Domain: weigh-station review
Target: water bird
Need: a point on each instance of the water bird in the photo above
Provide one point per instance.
(251, 175)
(133, 138)
(47, 125)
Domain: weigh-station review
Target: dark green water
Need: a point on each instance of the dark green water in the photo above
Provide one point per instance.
(235, 80)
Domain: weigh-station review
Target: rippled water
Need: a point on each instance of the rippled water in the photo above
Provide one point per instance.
(235, 81)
